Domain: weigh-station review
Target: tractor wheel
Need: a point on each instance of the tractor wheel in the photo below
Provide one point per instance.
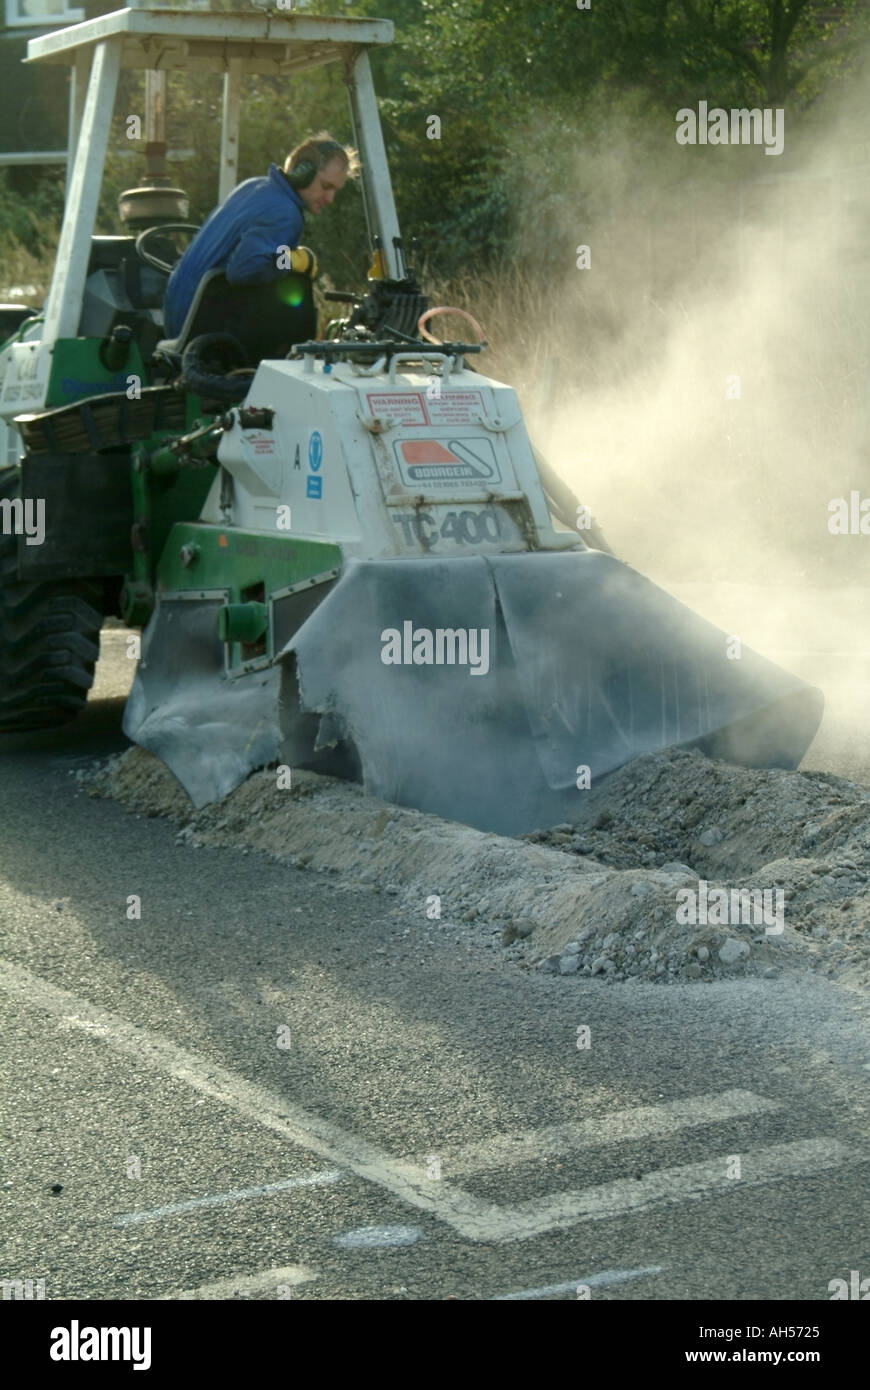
(49, 639)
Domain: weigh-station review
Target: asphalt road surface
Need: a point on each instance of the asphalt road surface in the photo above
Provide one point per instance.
(269, 1086)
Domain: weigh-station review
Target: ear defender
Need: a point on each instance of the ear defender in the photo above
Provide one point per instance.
(305, 172)
(302, 174)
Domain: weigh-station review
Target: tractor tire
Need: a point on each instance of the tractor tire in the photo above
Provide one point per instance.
(214, 366)
(49, 640)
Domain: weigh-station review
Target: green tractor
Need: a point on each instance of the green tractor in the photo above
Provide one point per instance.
(344, 552)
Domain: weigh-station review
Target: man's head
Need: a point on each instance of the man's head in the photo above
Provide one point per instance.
(318, 168)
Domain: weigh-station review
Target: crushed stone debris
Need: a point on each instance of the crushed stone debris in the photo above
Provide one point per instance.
(676, 867)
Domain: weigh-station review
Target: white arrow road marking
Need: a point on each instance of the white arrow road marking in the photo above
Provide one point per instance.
(222, 1199)
(471, 1217)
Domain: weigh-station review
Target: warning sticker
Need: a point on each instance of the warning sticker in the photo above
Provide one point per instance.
(405, 407)
(259, 443)
(447, 463)
(415, 408)
(455, 408)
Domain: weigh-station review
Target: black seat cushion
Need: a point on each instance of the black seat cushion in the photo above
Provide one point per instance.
(268, 320)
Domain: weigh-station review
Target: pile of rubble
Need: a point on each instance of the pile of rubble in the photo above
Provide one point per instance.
(675, 867)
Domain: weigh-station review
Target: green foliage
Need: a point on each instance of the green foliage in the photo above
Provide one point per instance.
(522, 90)
(730, 52)
(30, 207)
(530, 97)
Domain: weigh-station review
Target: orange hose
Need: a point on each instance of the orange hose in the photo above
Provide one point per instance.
(463, 313)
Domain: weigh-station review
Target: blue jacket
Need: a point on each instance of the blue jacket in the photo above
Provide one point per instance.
(241, 237)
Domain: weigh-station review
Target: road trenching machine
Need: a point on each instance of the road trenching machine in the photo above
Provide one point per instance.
(344, 552)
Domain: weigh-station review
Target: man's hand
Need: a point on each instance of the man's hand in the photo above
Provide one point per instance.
(304, 261)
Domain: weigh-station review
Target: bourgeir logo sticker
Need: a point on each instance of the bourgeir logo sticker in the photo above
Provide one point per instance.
(445, 464)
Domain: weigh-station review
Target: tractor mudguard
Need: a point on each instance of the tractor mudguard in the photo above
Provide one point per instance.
(211, 730)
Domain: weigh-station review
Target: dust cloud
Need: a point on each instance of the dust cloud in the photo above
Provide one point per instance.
(707, 395)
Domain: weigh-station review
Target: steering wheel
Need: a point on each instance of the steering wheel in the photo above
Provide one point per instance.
(148, 257)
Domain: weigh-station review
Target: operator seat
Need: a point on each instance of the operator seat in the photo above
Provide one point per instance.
(119, 289)
(268, 320)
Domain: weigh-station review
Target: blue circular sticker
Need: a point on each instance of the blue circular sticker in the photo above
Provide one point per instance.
(315, 451)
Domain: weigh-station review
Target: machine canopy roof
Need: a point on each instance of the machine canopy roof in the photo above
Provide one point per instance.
(259, 43)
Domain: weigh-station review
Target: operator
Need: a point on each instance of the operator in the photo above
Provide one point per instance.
(245, 234)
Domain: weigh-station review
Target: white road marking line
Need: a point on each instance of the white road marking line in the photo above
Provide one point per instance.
(471, 1217)
(243, 1286)
(591, 1281)
(621, 1126)
(138, 1218)
(691, 1182)
(378, 1237)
